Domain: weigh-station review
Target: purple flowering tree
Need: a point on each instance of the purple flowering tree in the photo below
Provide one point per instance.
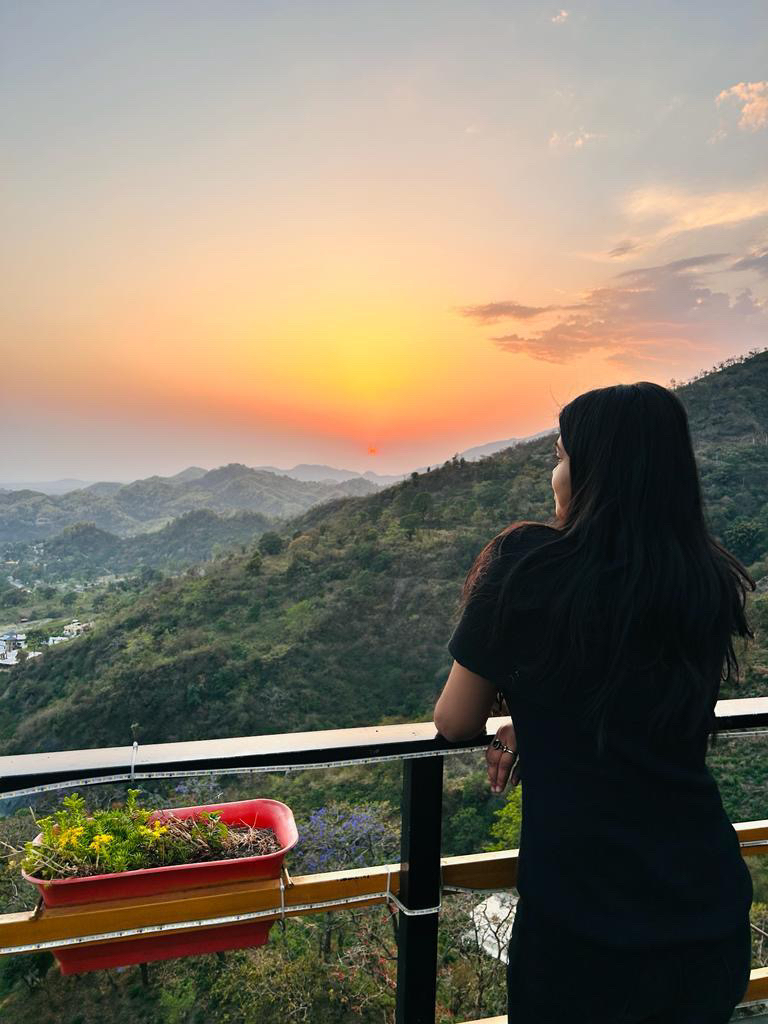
(344, 836)
(340, 836)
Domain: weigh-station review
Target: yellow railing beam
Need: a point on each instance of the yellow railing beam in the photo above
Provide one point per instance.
(334, 890)
(496, 870)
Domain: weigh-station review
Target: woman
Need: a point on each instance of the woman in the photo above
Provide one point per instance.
(607, 631)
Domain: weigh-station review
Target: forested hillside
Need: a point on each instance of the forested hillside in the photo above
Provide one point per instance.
(150, 504)
(348, 623)
(85, 551)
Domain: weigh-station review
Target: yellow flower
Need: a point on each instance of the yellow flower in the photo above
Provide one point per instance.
(99, 841)
(155, 831)
(70, 836)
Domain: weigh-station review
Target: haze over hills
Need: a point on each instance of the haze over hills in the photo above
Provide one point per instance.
(303, 471)
(481, 450)
(29, 517)
(315, 471)
(349, 622)
(84, 549)
(307, 471)
(150, 504)
(62, 486)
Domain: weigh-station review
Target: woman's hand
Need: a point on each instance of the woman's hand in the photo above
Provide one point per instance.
(500, 762)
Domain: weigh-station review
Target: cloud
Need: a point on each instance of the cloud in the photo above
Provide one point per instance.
(559, 18)
(657, 213)
(758, 262)
(650, 314)
(675, 210)
(503, 310)
(676, 266)
(570, 140)
(507, 310)
(623, 248)
(753, 98)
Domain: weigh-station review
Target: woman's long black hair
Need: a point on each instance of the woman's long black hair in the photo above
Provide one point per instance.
(631, 578)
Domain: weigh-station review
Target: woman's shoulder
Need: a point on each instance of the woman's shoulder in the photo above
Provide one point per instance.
(524, 534)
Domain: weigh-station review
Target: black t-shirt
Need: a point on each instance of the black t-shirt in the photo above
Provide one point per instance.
(632, 848)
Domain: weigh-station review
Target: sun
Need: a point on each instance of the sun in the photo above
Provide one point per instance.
(372, 450)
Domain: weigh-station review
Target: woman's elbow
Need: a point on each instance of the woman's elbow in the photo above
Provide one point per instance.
(453, 731)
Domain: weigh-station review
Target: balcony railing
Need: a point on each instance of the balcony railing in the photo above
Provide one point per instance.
(414, 886)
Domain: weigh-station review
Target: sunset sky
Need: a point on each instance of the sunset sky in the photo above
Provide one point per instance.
(368, 234)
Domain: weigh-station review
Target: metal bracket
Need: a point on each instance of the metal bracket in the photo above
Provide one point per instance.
(408, 911)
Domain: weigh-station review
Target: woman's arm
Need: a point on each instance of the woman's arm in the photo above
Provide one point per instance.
(464, 705)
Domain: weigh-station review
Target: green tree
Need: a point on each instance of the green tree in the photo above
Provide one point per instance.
(509, 818)
(254, 563)
(422, 505)
(491, 494)
(409, 522)
(30, 969)
(270, 543)
(36, 638)
(745, 538)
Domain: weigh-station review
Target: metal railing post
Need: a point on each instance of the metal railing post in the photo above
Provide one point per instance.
(422, 806)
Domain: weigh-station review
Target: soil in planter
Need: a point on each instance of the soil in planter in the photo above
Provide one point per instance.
(251, 842)
(241, 841)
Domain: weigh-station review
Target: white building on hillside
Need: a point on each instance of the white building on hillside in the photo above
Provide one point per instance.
(8, 659)
(75, 628)
(492, 924)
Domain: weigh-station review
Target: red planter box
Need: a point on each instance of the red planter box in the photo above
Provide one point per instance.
(123, 885)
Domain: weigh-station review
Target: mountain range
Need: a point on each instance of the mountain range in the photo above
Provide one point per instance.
(304, 471)
(86, 533)
(144, 505)
(309, 471)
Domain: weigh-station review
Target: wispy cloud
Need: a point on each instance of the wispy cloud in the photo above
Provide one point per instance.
(673, 211)
(753, 100)
(570, 140)
(757, 261)
(623, 248)
(559, 18)
(651, 314)
(507, 310)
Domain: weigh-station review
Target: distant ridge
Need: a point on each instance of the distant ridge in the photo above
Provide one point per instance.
(313, 471)
(320, 473)
(307, 472)
(481, 450)
(62, 486)
(149, 504)
(190, 473)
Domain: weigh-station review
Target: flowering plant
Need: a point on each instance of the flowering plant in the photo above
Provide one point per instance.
(75, 842)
